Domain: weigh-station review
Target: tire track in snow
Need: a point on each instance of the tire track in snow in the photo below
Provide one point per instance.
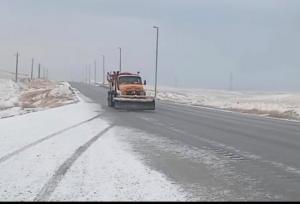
(8, 156)
(53, 182)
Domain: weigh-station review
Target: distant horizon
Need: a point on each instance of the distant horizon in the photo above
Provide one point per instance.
(5, 75)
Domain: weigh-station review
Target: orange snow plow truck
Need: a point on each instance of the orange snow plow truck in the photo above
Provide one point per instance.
(126, 91)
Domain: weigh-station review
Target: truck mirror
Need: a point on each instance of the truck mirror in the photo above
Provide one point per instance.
(145, 82)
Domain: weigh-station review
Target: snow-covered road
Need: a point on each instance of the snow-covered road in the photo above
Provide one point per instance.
(71, 153)
(212, 154)
(86, 151)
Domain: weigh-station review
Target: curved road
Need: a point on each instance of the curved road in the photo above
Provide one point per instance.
(213, 154)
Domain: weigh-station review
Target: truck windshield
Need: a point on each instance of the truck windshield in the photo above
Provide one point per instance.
(130, 80)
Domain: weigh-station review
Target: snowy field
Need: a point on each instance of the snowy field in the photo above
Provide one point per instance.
(274, 104)
(28, 96)
(70, 153)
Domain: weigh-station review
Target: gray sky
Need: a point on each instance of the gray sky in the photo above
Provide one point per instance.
(201, 41)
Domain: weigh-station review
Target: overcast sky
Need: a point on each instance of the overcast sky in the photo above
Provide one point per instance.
(201, 41)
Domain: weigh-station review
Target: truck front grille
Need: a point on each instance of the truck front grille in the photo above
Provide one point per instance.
(137, 93)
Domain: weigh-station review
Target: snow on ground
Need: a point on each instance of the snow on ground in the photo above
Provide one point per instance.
(71, 153)
(274, 104)
(27, 96)
(111, 172)
(9, 93)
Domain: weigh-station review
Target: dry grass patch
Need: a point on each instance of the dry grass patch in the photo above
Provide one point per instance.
(45, 94)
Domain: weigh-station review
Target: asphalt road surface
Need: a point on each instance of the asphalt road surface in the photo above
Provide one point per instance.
(213, 154)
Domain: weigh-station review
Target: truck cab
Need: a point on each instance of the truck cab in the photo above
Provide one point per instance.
(131, 85)
(127, 91)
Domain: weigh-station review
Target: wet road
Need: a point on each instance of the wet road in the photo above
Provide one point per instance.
(213, 154)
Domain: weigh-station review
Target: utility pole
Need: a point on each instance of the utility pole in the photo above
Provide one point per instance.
(70, 74)
(89, 74)
(83, 74)
(39, 71)
(156, 61)
(230, 81)
(17, 66)
(31, 75)
(86, 74)
(176, 82)
(47, 74)
(103, 69)
(95, 72)
(43, 72)
(120, 59)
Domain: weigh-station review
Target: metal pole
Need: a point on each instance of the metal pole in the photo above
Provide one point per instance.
(17, 66)
(39, 71)
(95, 78)
(230, 81)
(103, 69)
(44, 73)
(120, 59)
(31, 75)
(86, 74)
(156, 61)
(83, 74)
(89, 74)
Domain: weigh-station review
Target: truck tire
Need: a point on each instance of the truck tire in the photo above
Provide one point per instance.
(108, 99)
(110, 96)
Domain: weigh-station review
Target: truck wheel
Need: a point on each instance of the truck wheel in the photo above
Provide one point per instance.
(110, 99)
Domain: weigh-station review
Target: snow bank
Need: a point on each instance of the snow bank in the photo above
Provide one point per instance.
(28, 96)
(61, 91)
(275, 104)
(46, 94)
(9, 94)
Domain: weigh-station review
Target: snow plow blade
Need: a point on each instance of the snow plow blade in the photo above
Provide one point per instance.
(134, 104)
